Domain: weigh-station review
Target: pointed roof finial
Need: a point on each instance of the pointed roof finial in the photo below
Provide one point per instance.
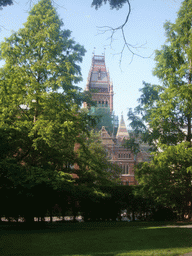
(122, 130)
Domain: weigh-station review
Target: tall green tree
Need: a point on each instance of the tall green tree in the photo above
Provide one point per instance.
(166, 109)
(165, 117)
(173, 68)
(39, 100)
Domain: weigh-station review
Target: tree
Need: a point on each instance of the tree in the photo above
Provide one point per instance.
(95, 168)
(143, 119)
(132, 144)
(40, 59)
(167, 108)
(165, 117)
(42, 120)
(40, 104)
(167, 178)
(173, 68)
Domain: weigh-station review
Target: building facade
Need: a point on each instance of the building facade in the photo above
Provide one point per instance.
(119, 154)
(101, 89)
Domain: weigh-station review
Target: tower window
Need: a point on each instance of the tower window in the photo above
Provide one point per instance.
(99, 74)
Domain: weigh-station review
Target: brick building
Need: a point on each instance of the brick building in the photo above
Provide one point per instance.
(120, 155)
(101, 88)
(99, 84)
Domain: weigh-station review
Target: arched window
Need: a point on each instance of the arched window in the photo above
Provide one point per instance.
(119, 156)
(127, 169)
(124, 155)
(129, 155)
(106, 103)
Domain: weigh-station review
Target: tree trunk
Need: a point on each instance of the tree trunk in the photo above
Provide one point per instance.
(189, 114)
(189, 128)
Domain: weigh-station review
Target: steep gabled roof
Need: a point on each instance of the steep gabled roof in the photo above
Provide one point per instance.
(106, 138)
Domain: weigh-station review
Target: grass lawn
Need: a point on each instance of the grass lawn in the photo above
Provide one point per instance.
(97, 238)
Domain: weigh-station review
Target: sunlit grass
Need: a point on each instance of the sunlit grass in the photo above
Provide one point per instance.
(103, 238)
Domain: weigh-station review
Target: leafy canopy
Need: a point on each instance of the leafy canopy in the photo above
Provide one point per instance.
(39, 101)
(95, 167)
(113, 3)
(164, 114)
(165, 111)
(167, 178)
(4, 3)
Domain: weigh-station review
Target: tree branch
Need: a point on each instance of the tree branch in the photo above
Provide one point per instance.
(131, 48)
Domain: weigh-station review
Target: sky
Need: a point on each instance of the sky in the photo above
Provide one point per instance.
(144, 30)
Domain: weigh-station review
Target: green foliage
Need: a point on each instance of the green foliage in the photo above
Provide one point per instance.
(164, 118)
(95, 168)
(42, 123)
(132, 144)
(40, 116)
(167, 178)
(173, 68)
(117, 4)
(5, 3)
(165, 111)
(140, 118)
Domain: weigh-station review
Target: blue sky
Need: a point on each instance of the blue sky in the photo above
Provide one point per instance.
(145, 26)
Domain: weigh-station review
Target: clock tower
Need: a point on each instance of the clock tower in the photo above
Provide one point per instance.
(99, 84)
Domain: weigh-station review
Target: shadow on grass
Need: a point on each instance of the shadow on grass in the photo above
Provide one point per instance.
(95, 238)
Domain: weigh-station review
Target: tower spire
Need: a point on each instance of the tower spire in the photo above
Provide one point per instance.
(122, 130)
